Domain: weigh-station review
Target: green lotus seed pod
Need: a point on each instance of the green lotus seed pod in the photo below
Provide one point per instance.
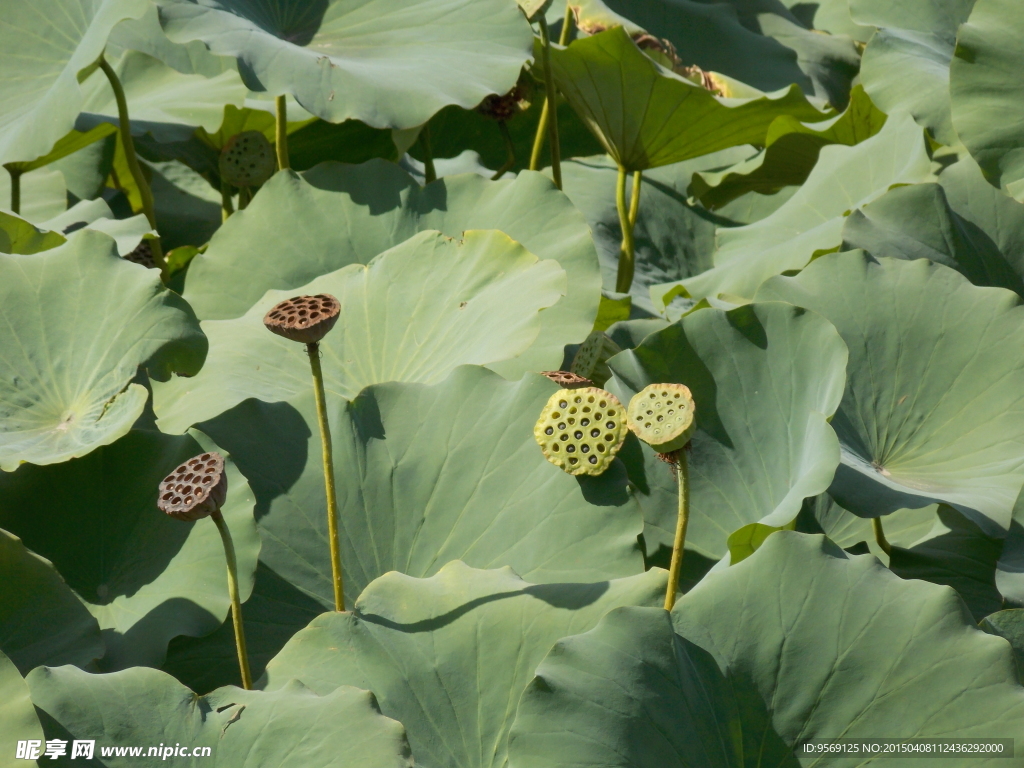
(591, 357)
(247, 160)
(662, 416)
(581, 430)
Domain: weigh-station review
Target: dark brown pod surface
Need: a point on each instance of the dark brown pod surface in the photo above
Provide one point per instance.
(143, 254)
(196, 489)
(567, 379)
(306, 319)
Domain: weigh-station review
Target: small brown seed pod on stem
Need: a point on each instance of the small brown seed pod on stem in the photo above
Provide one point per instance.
(307, 319)
(197, 489)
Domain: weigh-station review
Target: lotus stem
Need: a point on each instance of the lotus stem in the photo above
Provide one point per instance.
(236, 603)
(510, 148)
(542, 123)
(226, 206)
(876, 526)
(683, 478)
(244, 198)
(281, 136)
(624, 278)
(145, 192)
(429, 174)
(15, 188)
(634, 199)
(552, 100)
(332, 499)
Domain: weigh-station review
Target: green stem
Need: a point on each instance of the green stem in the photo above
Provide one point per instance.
(876, 526)
(332, 499)
(634, 199)
(281, 137)
(552, 100)
(15, 188)
(429, 174)
(244, 198)
(683, 477)
(624, 278)
(226, 207)
(542, 123)
(236, 604)
(132, 159)
(510, 148)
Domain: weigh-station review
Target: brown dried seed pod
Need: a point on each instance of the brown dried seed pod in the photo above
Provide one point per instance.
(305, 319)
(567, 379)
(196, 489)
(143, 254)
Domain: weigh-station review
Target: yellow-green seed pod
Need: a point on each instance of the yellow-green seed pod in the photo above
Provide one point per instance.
(581, 430)
(590, 358)
(247, 160)
(662, 416)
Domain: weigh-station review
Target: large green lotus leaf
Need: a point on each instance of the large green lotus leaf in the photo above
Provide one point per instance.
(44, 193)
(300, 227)
(799, 641)
(16, 713)
(79, 321)
(45, 47)
(145, 576)
(811, 221)
(289, 726)
(832, 16)
(765, 378)
(389, 63)
(957, 553)
(986, 93)
(97, 216)
(1009, 624)
(413, 314)
(791, 151)
(917, 222)
(757, 43)
(931, 411)
(449, 656)
(906, 63)
(646, 116)
(672, 238)
(903, 528)
(425, 475)
(158, 94)
(22, 237)
(41, 620)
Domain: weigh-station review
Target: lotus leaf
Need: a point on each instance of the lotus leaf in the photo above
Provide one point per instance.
(46, 49)
(144, 576)
(906, 63)
(646, 116)
(288, 726)
(21, 237)
(389, 63)
(930, 408)
(44, 193)
(917, 222)
(413, 314)
(16, 711)
(353, 213)
(755, 665)
(1010, 625)
(765, 379)
(42, 621)
(425, 475)
(791, 150)
(72, 348)
(985, 92)
(449, 656)
(811, 221)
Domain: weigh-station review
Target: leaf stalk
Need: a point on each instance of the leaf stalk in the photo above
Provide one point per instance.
(281, 135)
(545, 109)
(552, 101)
(15, 175)
(876, 526)
(683, 478)
(627, 220)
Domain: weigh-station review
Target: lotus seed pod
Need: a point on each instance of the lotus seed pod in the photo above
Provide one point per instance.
(567, 379)
(591, 357)
(196, 489)
(247, 160)
(581, 430)
(662, 416)
(142, 254)
(306, 319)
